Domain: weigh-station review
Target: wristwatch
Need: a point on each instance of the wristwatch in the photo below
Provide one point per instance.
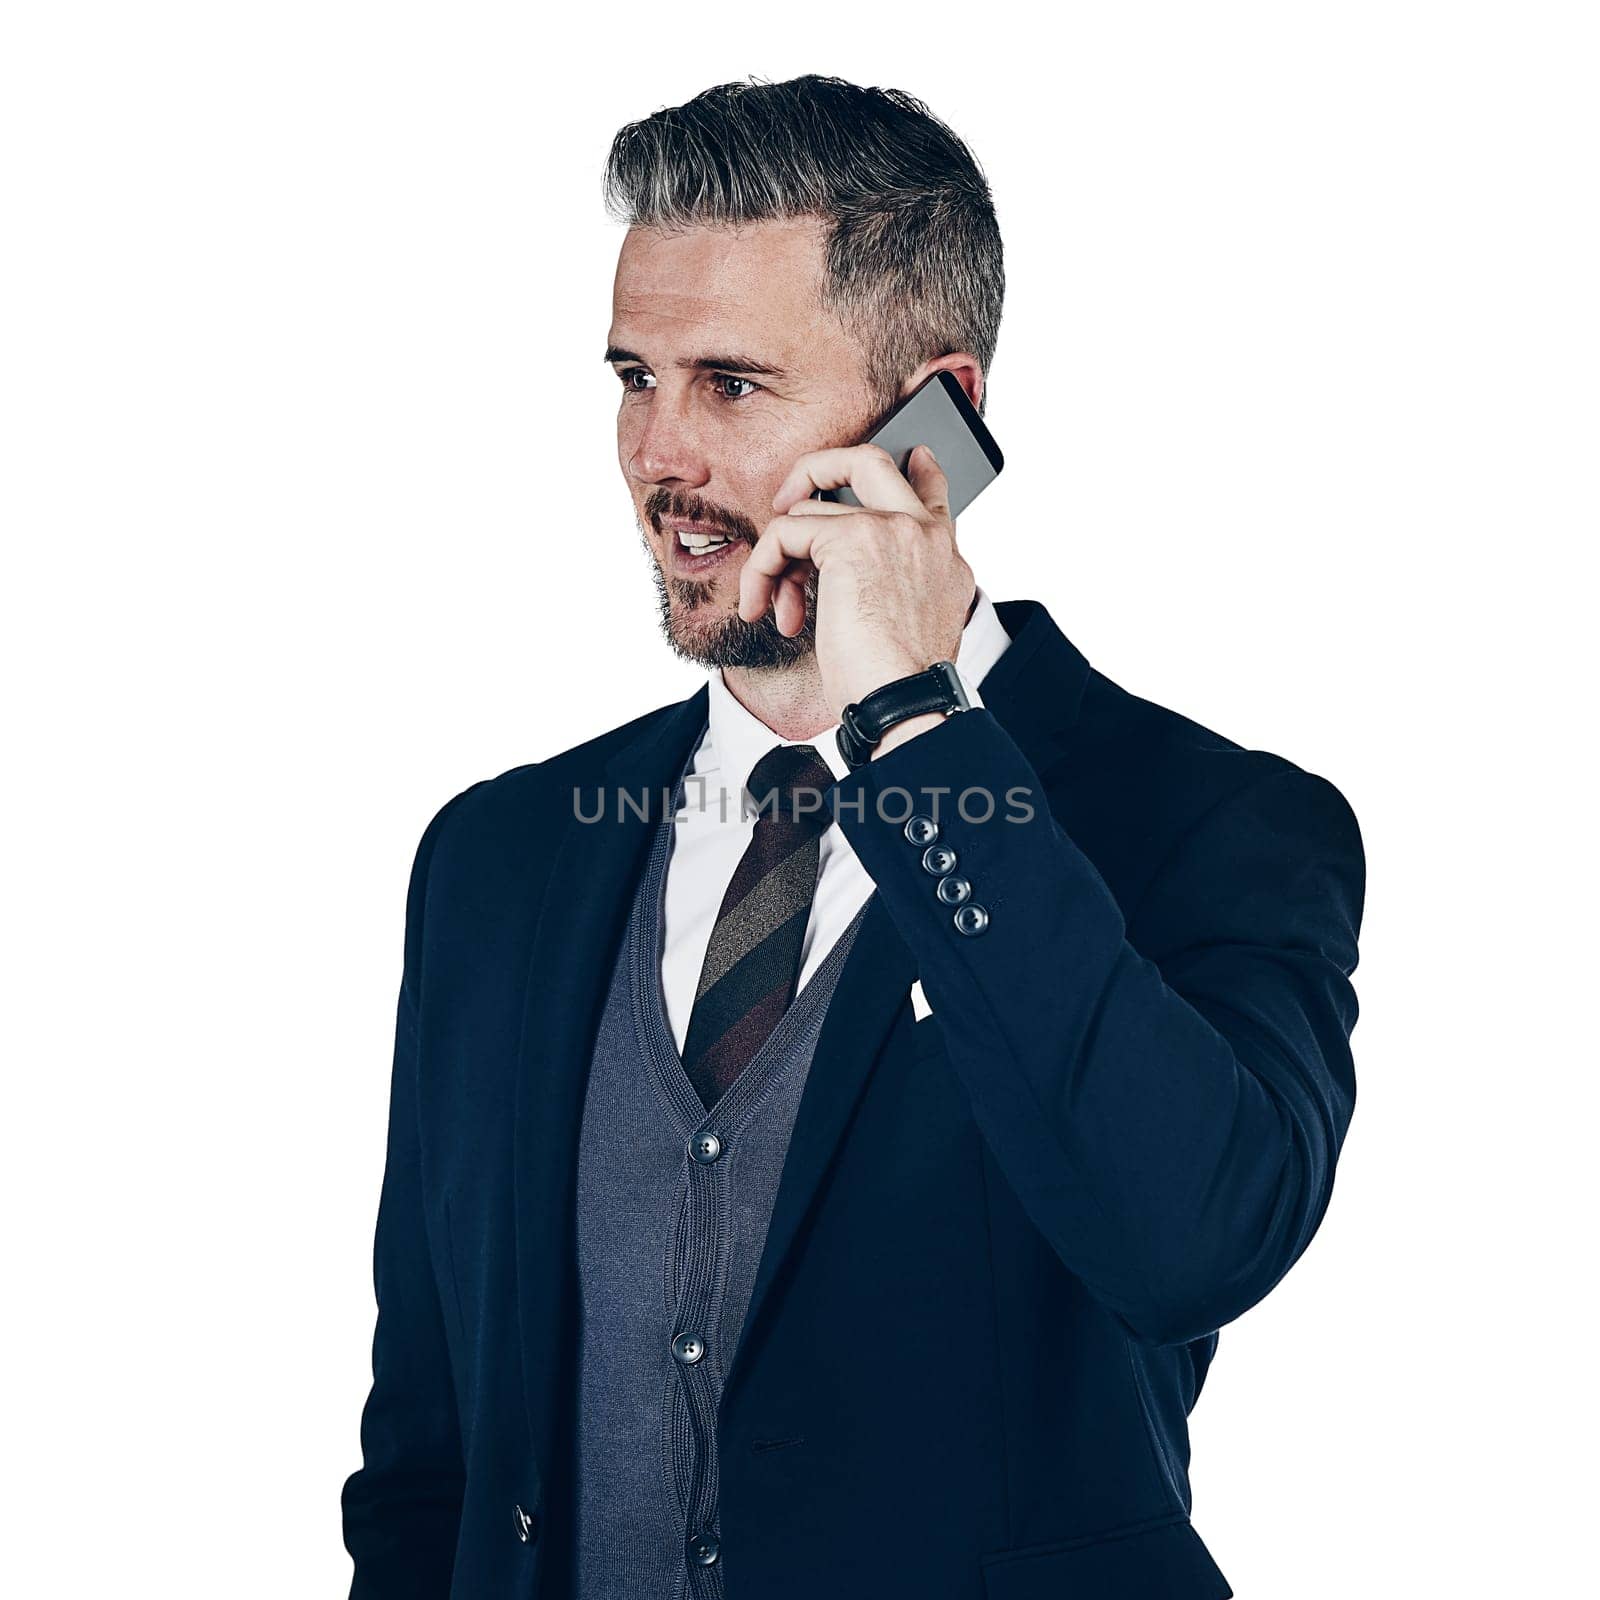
(864, 722)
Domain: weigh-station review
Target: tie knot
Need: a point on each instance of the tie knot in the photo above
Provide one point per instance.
(790, 784)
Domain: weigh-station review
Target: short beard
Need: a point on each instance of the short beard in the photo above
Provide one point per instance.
(728, 641)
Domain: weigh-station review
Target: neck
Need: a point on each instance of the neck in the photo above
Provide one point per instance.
(789, 700)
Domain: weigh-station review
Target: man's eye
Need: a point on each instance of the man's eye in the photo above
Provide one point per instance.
(638, 380)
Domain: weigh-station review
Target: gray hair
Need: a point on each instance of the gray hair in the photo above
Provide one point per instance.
(913, 261)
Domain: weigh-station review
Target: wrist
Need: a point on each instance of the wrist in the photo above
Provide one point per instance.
(908, 729)
(903, 708)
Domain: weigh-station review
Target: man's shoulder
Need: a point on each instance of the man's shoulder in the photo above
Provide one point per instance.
(1170, 754)
(1141, 777)
(1137, 761)
(516, 809)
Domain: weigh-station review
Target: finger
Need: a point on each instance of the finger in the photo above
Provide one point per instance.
(820, 508)
(772, 592)
(789, 609)
(868, 470)
(786, 539)
(926, 476)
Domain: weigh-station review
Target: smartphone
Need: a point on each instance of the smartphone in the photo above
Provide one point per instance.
(938, 414)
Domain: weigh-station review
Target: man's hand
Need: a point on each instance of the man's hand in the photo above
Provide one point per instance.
(892, 589)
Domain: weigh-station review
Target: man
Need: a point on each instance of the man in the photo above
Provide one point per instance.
(786, 1199)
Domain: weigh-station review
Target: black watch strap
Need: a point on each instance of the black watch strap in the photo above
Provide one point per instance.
(864, 722)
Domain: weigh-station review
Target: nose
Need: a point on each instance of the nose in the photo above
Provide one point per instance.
(666, 451)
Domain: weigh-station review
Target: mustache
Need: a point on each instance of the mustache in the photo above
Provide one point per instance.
(663, 503)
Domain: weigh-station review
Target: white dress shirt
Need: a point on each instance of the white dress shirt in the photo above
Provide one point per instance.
(711, 830)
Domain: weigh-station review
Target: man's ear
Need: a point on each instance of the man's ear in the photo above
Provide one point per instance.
(968, 373)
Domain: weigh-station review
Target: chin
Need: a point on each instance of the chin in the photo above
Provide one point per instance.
(704, 628)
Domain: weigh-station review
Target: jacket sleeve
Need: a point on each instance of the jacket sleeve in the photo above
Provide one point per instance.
(1169, 1115)
(402, 1508)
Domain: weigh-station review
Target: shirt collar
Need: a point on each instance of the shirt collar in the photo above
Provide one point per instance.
(735, 738)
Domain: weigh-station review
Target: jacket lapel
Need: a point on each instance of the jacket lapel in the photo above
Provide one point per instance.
(873, 986)
(594, 872)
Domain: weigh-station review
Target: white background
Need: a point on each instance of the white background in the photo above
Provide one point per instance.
(312, 517)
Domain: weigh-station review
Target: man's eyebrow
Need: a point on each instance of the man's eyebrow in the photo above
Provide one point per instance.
(733, 364)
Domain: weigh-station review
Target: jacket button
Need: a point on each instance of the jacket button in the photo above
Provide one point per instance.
(704, 1550)
(953, 890)
(921, 830)
(527, 1524)
(938, 859)
(971, 919)
(688, 1348)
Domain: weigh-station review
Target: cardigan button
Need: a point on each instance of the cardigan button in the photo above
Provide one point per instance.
(689, 1348)
(705, 1148)
(704, 1549)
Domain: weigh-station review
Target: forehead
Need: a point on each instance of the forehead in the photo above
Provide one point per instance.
(724, 285)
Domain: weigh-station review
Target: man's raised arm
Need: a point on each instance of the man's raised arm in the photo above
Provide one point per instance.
(1168, 1115)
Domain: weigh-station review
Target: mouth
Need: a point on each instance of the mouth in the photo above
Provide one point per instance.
(696, 548)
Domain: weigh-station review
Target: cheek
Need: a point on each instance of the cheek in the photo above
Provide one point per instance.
(758, 472)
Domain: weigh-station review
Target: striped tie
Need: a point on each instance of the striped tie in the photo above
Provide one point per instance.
(753, 959)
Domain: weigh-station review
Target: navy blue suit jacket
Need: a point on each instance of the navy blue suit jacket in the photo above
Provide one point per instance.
(1005, 1235)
